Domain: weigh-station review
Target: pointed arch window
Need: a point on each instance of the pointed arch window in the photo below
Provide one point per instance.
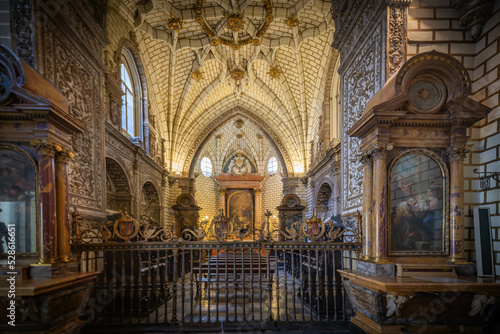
(132, 118)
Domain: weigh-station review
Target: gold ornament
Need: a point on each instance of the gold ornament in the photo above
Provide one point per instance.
(235, 22)
(274, 72)
(196, 74)
(292, 21)
(237, 74)
(174, 23)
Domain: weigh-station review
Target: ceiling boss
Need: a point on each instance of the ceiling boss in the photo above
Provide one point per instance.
(238, 36)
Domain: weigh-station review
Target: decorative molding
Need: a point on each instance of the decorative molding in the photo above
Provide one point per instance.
(474, 14)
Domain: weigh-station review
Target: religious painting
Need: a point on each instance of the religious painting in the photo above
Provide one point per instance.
(417, 221)
(18, 200)
(240, 209)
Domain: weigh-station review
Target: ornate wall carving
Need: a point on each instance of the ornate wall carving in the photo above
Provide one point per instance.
(23, 30)
(360, 81)
(396, 36)
(72, 60)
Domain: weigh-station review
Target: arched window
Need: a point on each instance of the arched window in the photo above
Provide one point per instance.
(131, 100)
(272, 166)
(206, 167)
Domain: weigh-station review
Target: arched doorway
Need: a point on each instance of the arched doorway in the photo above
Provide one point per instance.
(118, 192)
(150, 202)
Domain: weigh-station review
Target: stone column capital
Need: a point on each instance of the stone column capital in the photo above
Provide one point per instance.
(64, 155)
(458, 152)
(365, 158)
(257, 191)
(222, 191)
(45, 147)
(380, 150)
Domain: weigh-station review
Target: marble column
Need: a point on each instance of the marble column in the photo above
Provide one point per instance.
(456, 155)
(62, 205)
(367, 161)
(379, 200)
(258, 206)
(222, 199)
(47, 195)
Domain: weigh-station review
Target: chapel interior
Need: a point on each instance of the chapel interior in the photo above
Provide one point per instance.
(241, 166)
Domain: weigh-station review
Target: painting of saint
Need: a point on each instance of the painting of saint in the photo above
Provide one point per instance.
(240, 208)
(417, 205)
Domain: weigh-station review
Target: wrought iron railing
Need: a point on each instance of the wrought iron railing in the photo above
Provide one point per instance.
(213, 283)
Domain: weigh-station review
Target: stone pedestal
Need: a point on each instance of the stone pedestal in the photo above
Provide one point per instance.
(53, 270)
(375, 269)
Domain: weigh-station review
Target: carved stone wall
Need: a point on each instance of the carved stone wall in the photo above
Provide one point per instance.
(69, 50)
(370, 37)
(23, 30)
(361, 79)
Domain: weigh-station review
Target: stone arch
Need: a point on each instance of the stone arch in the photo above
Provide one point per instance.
(324, 200)
(228, 116)
(118, 190)
(150, 202)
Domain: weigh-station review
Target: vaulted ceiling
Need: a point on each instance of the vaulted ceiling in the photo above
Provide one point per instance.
(270, 57)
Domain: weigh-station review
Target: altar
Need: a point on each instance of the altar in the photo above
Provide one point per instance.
(240, 198)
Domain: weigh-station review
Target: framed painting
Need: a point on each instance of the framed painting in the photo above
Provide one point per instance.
(240, 208)
(418, 183)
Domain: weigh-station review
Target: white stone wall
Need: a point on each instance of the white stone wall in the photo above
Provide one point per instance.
(435, 25)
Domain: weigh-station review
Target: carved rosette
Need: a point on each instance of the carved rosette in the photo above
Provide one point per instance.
(458, 152)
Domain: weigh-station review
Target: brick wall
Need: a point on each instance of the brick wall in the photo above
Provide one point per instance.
(207, 196)
(272, 192)
(5, 36)
(435, 25)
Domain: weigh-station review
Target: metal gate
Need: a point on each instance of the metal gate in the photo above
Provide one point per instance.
(255, 280)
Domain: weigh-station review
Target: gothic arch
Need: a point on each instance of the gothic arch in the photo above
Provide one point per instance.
(323, 201)
(273, 138)
(118, 190)
(150, 201)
